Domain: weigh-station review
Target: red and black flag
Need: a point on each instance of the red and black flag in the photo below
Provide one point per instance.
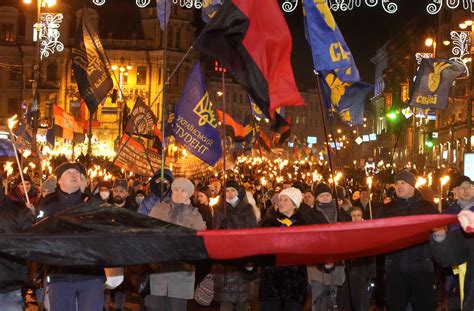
(90, 65)
(264, 142)
(252, 40)
(233, 129)
(281, 129)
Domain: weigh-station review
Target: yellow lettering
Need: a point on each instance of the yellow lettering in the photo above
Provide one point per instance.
(336, 52)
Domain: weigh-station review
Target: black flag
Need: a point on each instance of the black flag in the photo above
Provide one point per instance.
(141, 121)
(90, 65)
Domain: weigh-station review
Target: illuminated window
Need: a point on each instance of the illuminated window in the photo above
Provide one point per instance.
(141, 75)
(6, 32)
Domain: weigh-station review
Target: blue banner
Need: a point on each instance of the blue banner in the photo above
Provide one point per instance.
(330, 51)
(89, 63)
(163, 11)
(195, 122)
(346, 98)
(433, 81)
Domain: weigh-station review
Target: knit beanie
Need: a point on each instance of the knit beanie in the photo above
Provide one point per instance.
(59, 171)
(233, 184)
(458, 181)
(407, 177)
(184, 183)
(294, 194)
(321, 188)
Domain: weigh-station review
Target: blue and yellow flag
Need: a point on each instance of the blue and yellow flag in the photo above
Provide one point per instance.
(195, 122)
(330, 51)
(346, 98)
(433, 81)
(209, 9)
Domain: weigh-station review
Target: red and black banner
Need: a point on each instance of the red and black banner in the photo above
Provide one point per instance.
(252, 40)
(85, 235)
(233, 129)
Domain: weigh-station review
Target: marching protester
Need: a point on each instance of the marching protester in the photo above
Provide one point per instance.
(71, 288)
(232, 284)
(172, 284)
(160, 191)
(361, 273)
(452, 248)
(14, 217)
(284, 288)
(203, 201)
(410, 277)
(17, 195)
(325, 279)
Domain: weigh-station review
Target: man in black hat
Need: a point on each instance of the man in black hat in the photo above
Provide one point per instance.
(410, 276)
(71, 288)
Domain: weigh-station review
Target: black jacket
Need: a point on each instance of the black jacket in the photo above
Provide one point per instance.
(288, 283)
(457, 248)
(13, 272)
(53, 204)
(232, 283)
(416, 258)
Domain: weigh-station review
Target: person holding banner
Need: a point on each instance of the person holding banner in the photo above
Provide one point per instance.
(159, 191)
(173, 283)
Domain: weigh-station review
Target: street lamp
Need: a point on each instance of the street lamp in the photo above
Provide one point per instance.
(122, 71)
(35, 108)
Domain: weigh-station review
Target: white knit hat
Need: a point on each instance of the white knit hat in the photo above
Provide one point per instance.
(184, 183)
(294, 194)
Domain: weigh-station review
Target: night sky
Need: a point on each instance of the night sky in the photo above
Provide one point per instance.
(364, 29)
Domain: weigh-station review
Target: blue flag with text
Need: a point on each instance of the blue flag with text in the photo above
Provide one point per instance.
(329, 50)
(195, 122)
(346, 98)
(433, 81)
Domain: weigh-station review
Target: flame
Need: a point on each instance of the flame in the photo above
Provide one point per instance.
(369, 182)
(213, 201)
(12, 122)
(8, 167)
(444, 180)
(420, 181)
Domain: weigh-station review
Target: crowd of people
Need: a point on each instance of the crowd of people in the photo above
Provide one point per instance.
(409, 279)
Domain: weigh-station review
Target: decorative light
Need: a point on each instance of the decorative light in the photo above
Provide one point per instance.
(468, 22)
(463, 25)
(49, 33)
(446, 42)
(27, 1)
(436, 6)
(460, 50)
(114, 67)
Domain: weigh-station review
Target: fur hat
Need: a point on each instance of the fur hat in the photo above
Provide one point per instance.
(184, 183)
(321, 188)
(294, 194)
(407, 177)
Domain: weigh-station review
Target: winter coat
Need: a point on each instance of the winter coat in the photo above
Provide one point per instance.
(51, 205)
(13, 272)
(149, 202)
(206, 213)
(232, 283)
(175, 279)
(455, 249)
(336, 275)
(416, 258)
(288, 283)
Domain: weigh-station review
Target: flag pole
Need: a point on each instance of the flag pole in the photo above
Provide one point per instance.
(163, 100)
(225, 135)
(135, 127)
(323, 115)
(89, 134)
